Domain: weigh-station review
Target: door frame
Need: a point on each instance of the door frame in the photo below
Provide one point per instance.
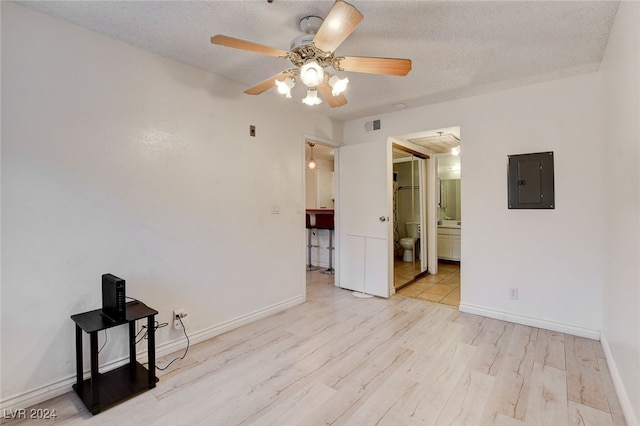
(432, 213)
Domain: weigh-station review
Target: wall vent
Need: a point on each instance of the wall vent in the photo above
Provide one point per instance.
(371, 126)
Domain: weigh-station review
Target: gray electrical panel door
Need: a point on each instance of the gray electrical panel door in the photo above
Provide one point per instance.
(530, 181)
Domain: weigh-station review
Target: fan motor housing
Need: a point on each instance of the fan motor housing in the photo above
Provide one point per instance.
(301, 41)
(303, 50)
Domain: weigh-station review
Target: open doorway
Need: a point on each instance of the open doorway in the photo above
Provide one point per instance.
(444, 217)
(319, 206)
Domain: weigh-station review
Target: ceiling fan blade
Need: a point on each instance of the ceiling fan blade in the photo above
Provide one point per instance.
(372, 65)
(342, 19)
(325, 91)
(267, 84)
(236, 43)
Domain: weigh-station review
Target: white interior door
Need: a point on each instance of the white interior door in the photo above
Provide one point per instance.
(364, 208)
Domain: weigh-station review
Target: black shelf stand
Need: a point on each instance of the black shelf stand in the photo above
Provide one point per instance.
(103, 390)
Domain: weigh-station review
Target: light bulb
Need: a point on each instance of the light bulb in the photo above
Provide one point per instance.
(285, 86)
(455, 150)
(311, 74)
(311, 164)
(338, 84)
(312, 97)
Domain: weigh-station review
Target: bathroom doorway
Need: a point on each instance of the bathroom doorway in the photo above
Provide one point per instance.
(409, 216)
(444, 286)
(444, 218)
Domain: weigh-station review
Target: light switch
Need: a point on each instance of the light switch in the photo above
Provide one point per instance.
(275, 209)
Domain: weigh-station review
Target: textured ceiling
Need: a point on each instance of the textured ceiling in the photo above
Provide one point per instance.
(457, 48)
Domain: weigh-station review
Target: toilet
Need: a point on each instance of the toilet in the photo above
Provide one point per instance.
(409, 243)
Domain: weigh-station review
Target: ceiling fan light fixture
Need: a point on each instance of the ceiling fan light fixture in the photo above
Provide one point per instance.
(311, 74)
(312, 98)
(338, 84)
(285, 86)
(313, 55)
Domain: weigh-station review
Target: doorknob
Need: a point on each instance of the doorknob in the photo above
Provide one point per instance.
(382, 218)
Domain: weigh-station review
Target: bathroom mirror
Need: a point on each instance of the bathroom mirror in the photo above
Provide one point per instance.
(449, 208)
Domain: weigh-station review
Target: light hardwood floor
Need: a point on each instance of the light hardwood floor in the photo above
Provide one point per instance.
(342, 360)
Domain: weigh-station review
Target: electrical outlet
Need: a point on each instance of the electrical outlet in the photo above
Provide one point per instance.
(178, 314)
(513, 293)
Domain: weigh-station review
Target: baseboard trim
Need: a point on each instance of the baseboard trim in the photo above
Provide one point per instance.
(216, 330)
(623, 397)
(62, 386)
(531, 321)
(57, 388)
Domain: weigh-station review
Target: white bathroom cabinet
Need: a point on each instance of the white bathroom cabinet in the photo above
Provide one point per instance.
(449, 243)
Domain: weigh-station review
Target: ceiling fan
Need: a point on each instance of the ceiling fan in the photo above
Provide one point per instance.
(312, 54)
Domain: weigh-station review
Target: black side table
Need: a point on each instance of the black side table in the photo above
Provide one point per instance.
(104, 390)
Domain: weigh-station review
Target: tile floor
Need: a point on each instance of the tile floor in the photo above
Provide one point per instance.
(403, 272)
(444, 287)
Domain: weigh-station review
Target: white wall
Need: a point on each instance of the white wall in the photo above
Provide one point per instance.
(542, 252)
(318, 183)
(621, 334)
(117, 160)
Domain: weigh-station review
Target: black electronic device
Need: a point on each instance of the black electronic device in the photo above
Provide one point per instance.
(113, 297)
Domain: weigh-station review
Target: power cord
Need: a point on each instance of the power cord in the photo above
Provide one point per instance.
(144, 328)
(106, 336)
(184, 330)
(156, 326)
(105, 341)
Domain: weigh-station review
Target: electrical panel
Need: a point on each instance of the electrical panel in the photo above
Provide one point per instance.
(530, 181)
